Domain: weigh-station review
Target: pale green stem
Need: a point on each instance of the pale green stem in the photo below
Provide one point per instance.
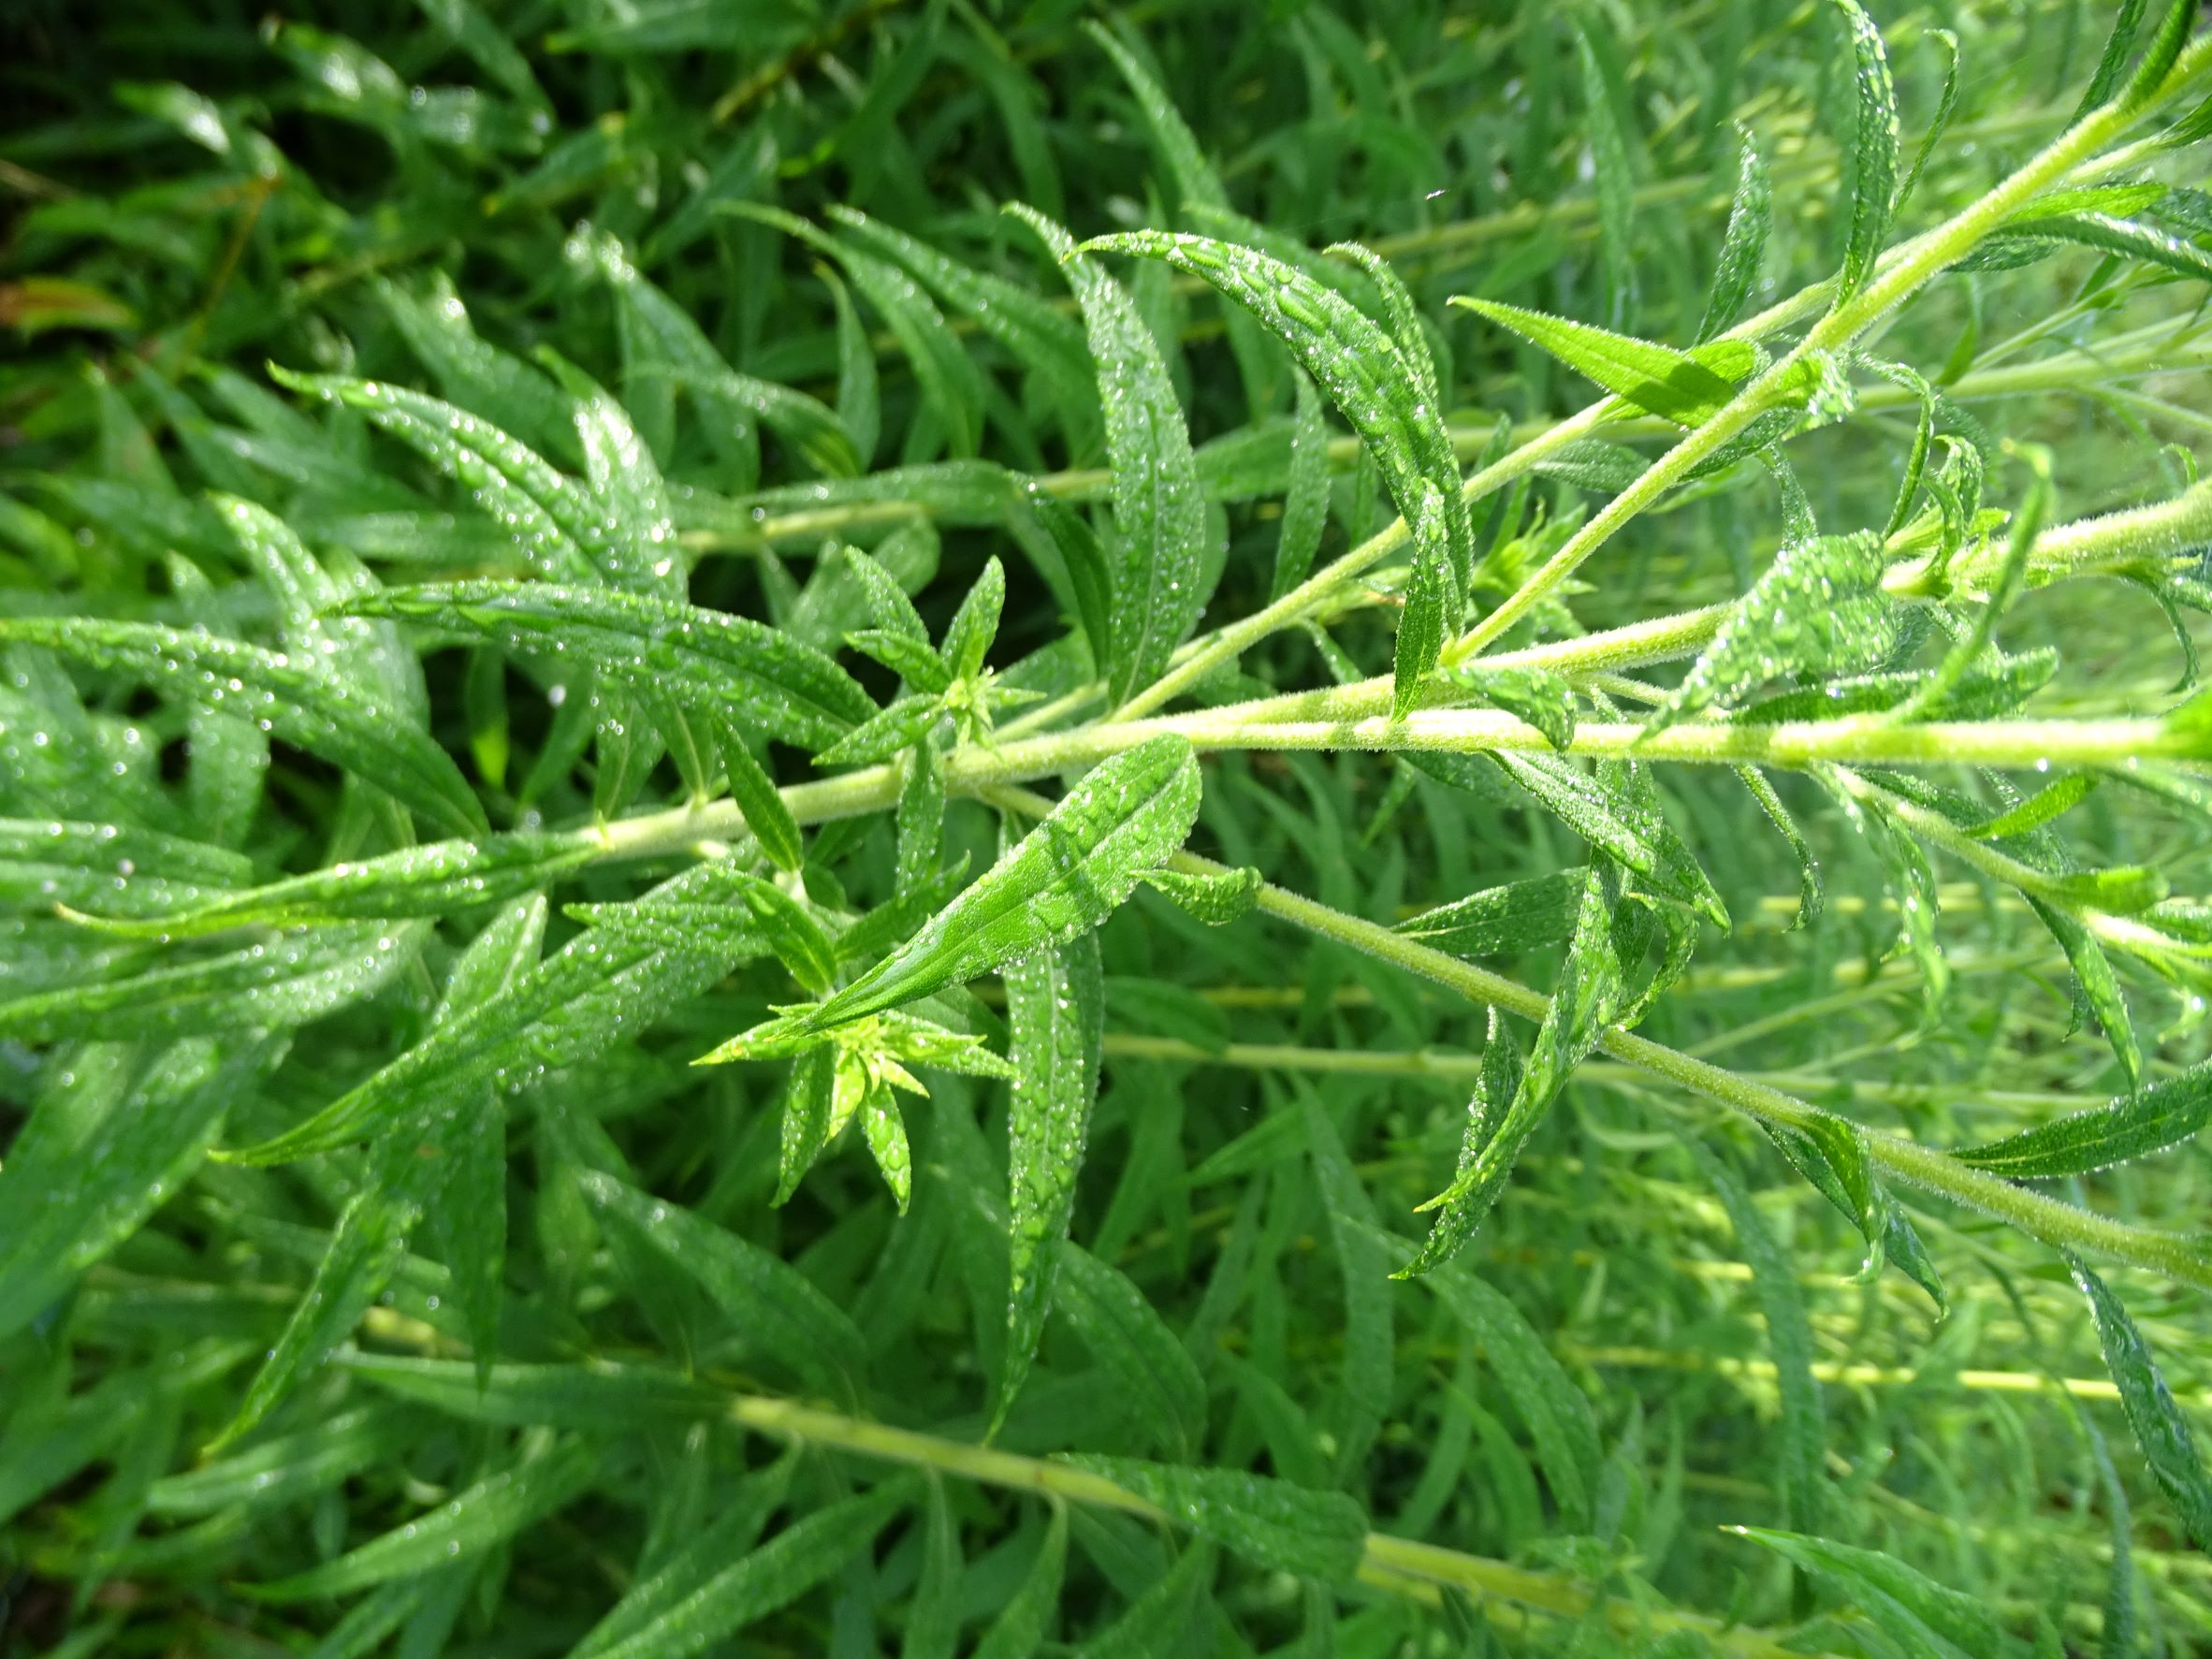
(1402, 1565)
(2044, 1218)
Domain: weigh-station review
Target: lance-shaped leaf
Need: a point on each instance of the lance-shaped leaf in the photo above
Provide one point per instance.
(289, 1468)
(2130, 1125)
(765, 810)
(1743, 247)
(1216, 900)
(68, 1195)
(726, 397)
(293, 700)
(1587, 996)
(1377, 392)
(1056, 1006)
(2169, 1446)
(1503, 921)
(776, 1308)
(1155, 1382)
(1063, 878)
(2094, 980)
(601, 985)
(284, 981)
(1870, 154)
(690, 656)
(1629, 829)
(111, 867)
(436, 880)
(1789, 1338)
(1159, 513)
(1273, 1523)
(777, 1573)
(1916, 1613)
(469, 1523)
(1686, 388)
(552, 519)
(1306, 502)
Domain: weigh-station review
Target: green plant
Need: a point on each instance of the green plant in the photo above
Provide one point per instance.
(480, 927)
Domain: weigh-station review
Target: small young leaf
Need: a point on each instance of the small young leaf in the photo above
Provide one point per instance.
(1686, 388)
(1064, 877)
(758, 799)
(1216, 900)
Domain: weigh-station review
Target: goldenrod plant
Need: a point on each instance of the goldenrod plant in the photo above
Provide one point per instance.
(860, 827)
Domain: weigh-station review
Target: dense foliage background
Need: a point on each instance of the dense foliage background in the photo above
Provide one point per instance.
(379, 1274)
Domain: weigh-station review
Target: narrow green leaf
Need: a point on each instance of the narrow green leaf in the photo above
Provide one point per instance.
(596, 988)
(1155, 1381)
(1586, 997)
(1026, 1618)
(1056, 1006)
(678, 1576)
(1743, 246)
(111, 867)
(1802, 1441)
(288, 980)
(292, 700)
(1542, 700)
(1305, 501)
(1938, 122)
(1810, 893)
(2096, 983)
(777, 1574)
(1686, 388)
(1503, 921)
(1869, 154)
(1064, 877)
(437, 880)
(1621, 826)
(702, 659)
(2130, 1126)
(473, 1522)
(781, 1313)
(287, 1469)
(975, 624)
(1616, 182)
(758, 799)
(1912, 1609)
(67, 1202)
(1159, 512)
(1272, 1523)
(1375, 390)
